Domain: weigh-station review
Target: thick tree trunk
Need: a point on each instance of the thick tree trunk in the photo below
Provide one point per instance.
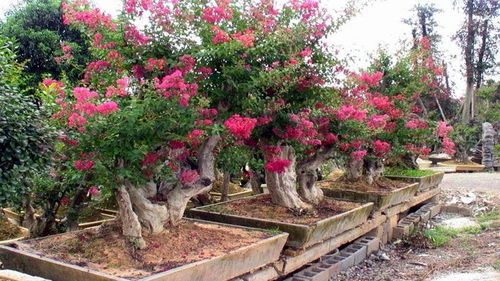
(75, 207)
(131, 227)
(373, 170)
(255, 183)
(307, 173)
(354, 170)
(225, 187)
(151, 216)
(282, 186)
(410, 161)
(480, 60)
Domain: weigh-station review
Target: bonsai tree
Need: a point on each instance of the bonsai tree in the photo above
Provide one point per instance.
(131, 127)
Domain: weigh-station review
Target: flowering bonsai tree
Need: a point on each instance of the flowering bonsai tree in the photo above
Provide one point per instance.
(266, 67)
(133, 125)
(380, 119)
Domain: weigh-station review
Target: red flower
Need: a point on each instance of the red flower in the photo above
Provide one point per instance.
(84, 165)
(189, 176)
(358, 155)
(278, 165)
(93, 191)
(240, 127)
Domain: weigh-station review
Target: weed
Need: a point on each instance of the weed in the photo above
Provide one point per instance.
(440, 235)
(496, 264)
(273, 231)
(493, 215)
(472, 229)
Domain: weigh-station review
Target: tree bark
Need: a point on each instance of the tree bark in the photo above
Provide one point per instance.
(225, 187)
(373, 170)
(307, 171)
(151, 216)
(480, 67)
(354, 170)
(282, 186)
(131, 227)
(255, 183)
(75, 207)
(468, 109)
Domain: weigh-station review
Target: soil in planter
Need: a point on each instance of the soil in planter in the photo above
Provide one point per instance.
(7, 229)
(382, 185)
(104, 249)
(262, 207)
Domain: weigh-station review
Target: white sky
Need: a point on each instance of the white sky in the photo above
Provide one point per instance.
(379, 24)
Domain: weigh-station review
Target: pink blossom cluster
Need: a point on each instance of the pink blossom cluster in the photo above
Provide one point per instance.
(133, 35)
(381, 146)
(220, 36)
(358, 154)
(245, 38)
(371, 79)
(67, 56)
(150, 158)
(84, 164)
(190, 176)
(443, 129)
(175, 85)
(277, 165)
(93, 18)
(377, 121)
(216, 14)
(155, 64)
(240, 127)
(416, 123)
(120, 89)
(350, 112)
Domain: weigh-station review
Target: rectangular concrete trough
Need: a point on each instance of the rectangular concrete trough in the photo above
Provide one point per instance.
(301, 235)
(381, 200)
(221, 268)
(424, 182)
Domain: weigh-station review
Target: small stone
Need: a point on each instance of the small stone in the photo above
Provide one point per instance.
(384, 257)
(459, 223)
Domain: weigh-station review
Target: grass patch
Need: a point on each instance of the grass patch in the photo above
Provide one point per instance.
(491, 216)
(408, 173)
(441, 235)
(496, 264)
(472, 229)
(273, 231)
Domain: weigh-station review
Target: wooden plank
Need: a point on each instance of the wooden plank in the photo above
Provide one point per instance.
(420, 198)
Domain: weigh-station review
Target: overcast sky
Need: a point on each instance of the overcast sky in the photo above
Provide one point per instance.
(378, 25)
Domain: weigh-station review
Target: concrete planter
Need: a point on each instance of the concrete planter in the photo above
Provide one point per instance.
(232, 196)
(104, 217)
(473, 167)
(228, 266)
(301, 235)
(424, 182)
(381, 200)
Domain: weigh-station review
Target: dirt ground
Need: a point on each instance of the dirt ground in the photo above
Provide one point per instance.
(466, 257)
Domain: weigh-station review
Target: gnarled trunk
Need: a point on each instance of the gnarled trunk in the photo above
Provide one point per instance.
(282, 186)
(410, 161)
(225, 187)
(138, 211)
(307, 173)
(368, 170)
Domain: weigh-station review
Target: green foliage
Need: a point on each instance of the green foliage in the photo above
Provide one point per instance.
(408, 173)
(38, 28)
(465, 137)
(491, 216)
(25, 137)
(441, 235)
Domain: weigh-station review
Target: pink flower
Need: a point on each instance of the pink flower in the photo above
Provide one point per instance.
(189, 176)
(373, 79)
(240, 127)
(358, 155)
(107, 108)
(93, 191)
(220, 36)
(150, 158)
(306, 52)
(381, 146)
(448, 146)
(416, 123)
(175, 144)
(443, 129)
(278, 165)
(349, 112)
(65, 201)
(246, 39)
(84, 165)
(76, 120)
(83, 94)
(377, 121)
(330, 138)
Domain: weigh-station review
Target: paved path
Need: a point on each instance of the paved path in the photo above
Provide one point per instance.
(486, 182)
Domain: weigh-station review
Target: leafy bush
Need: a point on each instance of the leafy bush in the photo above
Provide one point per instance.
(24, 135)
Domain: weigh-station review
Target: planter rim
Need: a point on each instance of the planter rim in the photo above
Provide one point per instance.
(39, 255)
(410, 185)
(299, 225)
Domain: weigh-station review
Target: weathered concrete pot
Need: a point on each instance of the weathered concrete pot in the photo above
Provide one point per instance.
(424, 182)
(301, 235)
(473, 167)
(217, 195)
(228, 266)
(381, 201)
(104, 217)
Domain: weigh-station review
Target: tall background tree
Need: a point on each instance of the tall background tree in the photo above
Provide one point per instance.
(478, 38)
(37, 27)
